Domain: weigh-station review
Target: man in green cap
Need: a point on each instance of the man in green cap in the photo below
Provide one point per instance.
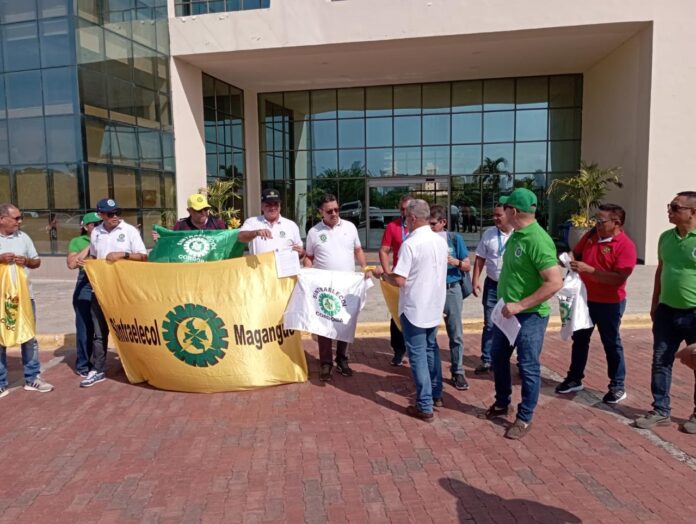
(530, 276)
(78, 249)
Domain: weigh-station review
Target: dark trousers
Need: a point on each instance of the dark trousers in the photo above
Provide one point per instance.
(607, 318)
(397, 341)
(101, 337)
(671, 326)
(84, 330)
(326, 354)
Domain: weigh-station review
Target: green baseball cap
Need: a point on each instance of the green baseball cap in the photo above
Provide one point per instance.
(522, 199)
(90, 218)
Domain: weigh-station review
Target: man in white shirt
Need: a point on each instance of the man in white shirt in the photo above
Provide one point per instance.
(489, 255)
(273, 231)
(421, 274)
(116, 241)
(333, 244)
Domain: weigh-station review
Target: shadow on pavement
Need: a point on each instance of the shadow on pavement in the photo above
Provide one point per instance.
(475, 505)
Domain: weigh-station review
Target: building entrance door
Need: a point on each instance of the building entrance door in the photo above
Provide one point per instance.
(382, 201)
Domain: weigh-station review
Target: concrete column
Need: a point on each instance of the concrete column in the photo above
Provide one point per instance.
(251, 143)
(189, 135)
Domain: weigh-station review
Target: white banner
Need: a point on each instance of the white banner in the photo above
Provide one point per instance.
(327, 303)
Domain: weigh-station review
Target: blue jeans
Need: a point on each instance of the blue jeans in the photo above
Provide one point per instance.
(84, 328)
(424, 356)
(607, 318)
(453, 323)
(30, 358)
(529, 343)
(489, 300)
(671, 326)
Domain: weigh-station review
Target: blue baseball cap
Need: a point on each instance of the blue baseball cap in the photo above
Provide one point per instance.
(107, 205)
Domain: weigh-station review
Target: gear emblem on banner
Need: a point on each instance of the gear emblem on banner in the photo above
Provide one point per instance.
(198, 246)
(195, 335)
(329, 304)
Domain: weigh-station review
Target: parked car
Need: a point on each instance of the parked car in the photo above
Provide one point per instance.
(376, 218)
(352, 211)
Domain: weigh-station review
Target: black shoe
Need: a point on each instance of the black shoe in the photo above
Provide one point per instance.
(614, 396)
(344, 369)
(459, 382)
(437, 402)
(569, 386)
(482, 369)
(396, 362)
(325, 372)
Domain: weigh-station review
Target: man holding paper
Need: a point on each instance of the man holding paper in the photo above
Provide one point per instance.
(530, 276)
(272, 231)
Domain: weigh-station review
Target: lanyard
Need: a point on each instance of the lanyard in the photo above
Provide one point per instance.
(501, 246)
(404, 234)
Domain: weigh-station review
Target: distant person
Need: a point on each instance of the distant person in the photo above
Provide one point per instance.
(673, 308)
(473, 219)
(454, 218)
(17, 248)
(394, 235)
(274, 231)
(333, 244)
(421, 274)
(530, 276)
(78, 251)
(116, 241)
(489, 255)
(458, 265)
(605, 257)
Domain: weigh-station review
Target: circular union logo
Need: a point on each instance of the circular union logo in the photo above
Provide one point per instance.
(195, 335)
(693, 253)
(322, 237)
(329, 304)
(197, 246)
(282, 234)
(518, 252)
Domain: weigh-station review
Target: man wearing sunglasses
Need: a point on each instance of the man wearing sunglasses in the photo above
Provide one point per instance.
(673, 308)
(114, 240)
(530, 276)
(17, 248)
(604, 258)
(333, 244)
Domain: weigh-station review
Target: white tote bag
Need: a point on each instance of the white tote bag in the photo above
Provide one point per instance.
(327, 303)
(572, 302)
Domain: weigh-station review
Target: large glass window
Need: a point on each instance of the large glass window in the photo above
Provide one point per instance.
(223, 113)
(84, 112)
(498, 134)
(200, 7)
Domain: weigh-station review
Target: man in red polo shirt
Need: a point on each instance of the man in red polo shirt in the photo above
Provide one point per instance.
(394, 234)
(604, 257)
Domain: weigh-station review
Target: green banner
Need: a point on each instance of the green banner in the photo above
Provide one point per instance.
(201, 245)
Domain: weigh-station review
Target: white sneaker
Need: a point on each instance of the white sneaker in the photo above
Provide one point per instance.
(4, 391)
(38, 384)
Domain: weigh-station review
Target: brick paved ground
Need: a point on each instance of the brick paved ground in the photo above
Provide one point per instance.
(343, 452)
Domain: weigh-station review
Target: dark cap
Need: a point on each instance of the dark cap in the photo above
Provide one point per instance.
(270, 195)
(107, 205)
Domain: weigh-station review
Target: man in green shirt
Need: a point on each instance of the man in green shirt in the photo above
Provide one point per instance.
(673, 309)
(530, 276)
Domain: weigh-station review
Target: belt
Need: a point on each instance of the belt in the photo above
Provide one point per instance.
(450, 285)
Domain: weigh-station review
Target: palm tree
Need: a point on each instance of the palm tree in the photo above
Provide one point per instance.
(219, 194)
(491, 172)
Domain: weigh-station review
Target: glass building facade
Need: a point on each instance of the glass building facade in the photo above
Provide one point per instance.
(200, 7)
(468, 142)
(84, 113)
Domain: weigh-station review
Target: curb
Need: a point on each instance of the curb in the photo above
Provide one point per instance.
(365, 330)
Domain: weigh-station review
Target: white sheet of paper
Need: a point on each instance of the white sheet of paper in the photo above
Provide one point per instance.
(287, 263)
(509, 326)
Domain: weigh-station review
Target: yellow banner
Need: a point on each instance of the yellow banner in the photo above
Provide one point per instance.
(391, 297)
(207, 327)
(16, 315)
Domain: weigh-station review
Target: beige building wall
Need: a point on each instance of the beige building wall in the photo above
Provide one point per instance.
(639, 110)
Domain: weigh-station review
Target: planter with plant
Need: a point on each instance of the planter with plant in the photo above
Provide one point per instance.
(586, 190)
(220, 195)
